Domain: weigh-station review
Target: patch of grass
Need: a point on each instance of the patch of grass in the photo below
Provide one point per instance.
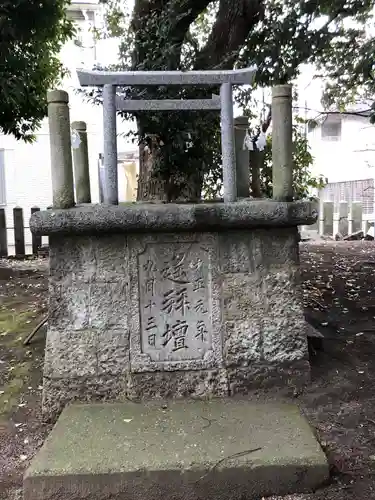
(14, 325)
(19, 374)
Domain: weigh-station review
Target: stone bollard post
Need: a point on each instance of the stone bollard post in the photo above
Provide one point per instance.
(110, 145)
(282, 143)
(242, 157)
(81, 164)
(328, 215)
(343, 218)
(356, 216)
(61, 153)
(227, 143)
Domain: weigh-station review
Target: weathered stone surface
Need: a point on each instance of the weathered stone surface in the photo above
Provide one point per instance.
(199, 384)
(175, 302)
(60, 145)
(184, 314)
(167, 104)
(78, 306)
(257, 326)
(282, 378)
(60, 391)
(284, 333)
(84, 353)
(197, 77)
(89, 259)
(244, 214)
(243, 314)
(279, 247)
(71, 353)
(212, 450)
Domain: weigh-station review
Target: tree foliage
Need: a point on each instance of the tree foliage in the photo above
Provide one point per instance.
(351, 76)
(32, 33)
(276, 35)
(305, 183)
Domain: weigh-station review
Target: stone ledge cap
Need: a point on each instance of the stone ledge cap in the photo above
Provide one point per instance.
(171, 217)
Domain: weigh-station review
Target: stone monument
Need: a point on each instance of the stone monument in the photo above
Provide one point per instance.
(176, 300)
(164, 302)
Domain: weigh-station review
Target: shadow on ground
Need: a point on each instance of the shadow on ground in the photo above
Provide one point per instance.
(339, 294)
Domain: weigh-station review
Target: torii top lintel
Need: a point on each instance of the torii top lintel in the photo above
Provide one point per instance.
(147, 78)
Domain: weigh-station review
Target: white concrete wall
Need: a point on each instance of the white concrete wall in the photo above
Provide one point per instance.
(27, 180)
(345, 159)
(27, 166)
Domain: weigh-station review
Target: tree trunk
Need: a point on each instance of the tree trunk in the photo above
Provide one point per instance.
(150, 188)
(163, 175)
(160, 186)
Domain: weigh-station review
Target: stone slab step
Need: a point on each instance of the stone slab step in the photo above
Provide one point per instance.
(185, 450)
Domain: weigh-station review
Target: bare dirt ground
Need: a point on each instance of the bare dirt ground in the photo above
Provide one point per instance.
(339, 293)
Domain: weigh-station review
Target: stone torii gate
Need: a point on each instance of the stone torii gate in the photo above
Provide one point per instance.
(111, 103)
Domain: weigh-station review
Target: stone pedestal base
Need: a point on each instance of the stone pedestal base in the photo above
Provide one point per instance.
(194, 450)
(150, 301)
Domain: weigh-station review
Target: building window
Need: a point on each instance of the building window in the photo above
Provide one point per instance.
(3, 200)
(331, 129)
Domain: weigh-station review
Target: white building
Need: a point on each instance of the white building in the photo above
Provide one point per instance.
(25, 173)
(343, 147)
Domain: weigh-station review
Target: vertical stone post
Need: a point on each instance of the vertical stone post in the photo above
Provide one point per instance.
(321, 217)
(110, 145)
(19, 232)
(282, 161)
(365, 224)
(36, 240)
(343, 218)
(227, 143)
(61, 152)
(3, 234)
(356, 216)
(350, 219)
(336, 218)
(315, 226)
(81, 164)
(242, 157)
(328, 208)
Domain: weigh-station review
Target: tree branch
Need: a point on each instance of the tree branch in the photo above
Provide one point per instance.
(234, 21)
(176, 16)
(185, 12)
